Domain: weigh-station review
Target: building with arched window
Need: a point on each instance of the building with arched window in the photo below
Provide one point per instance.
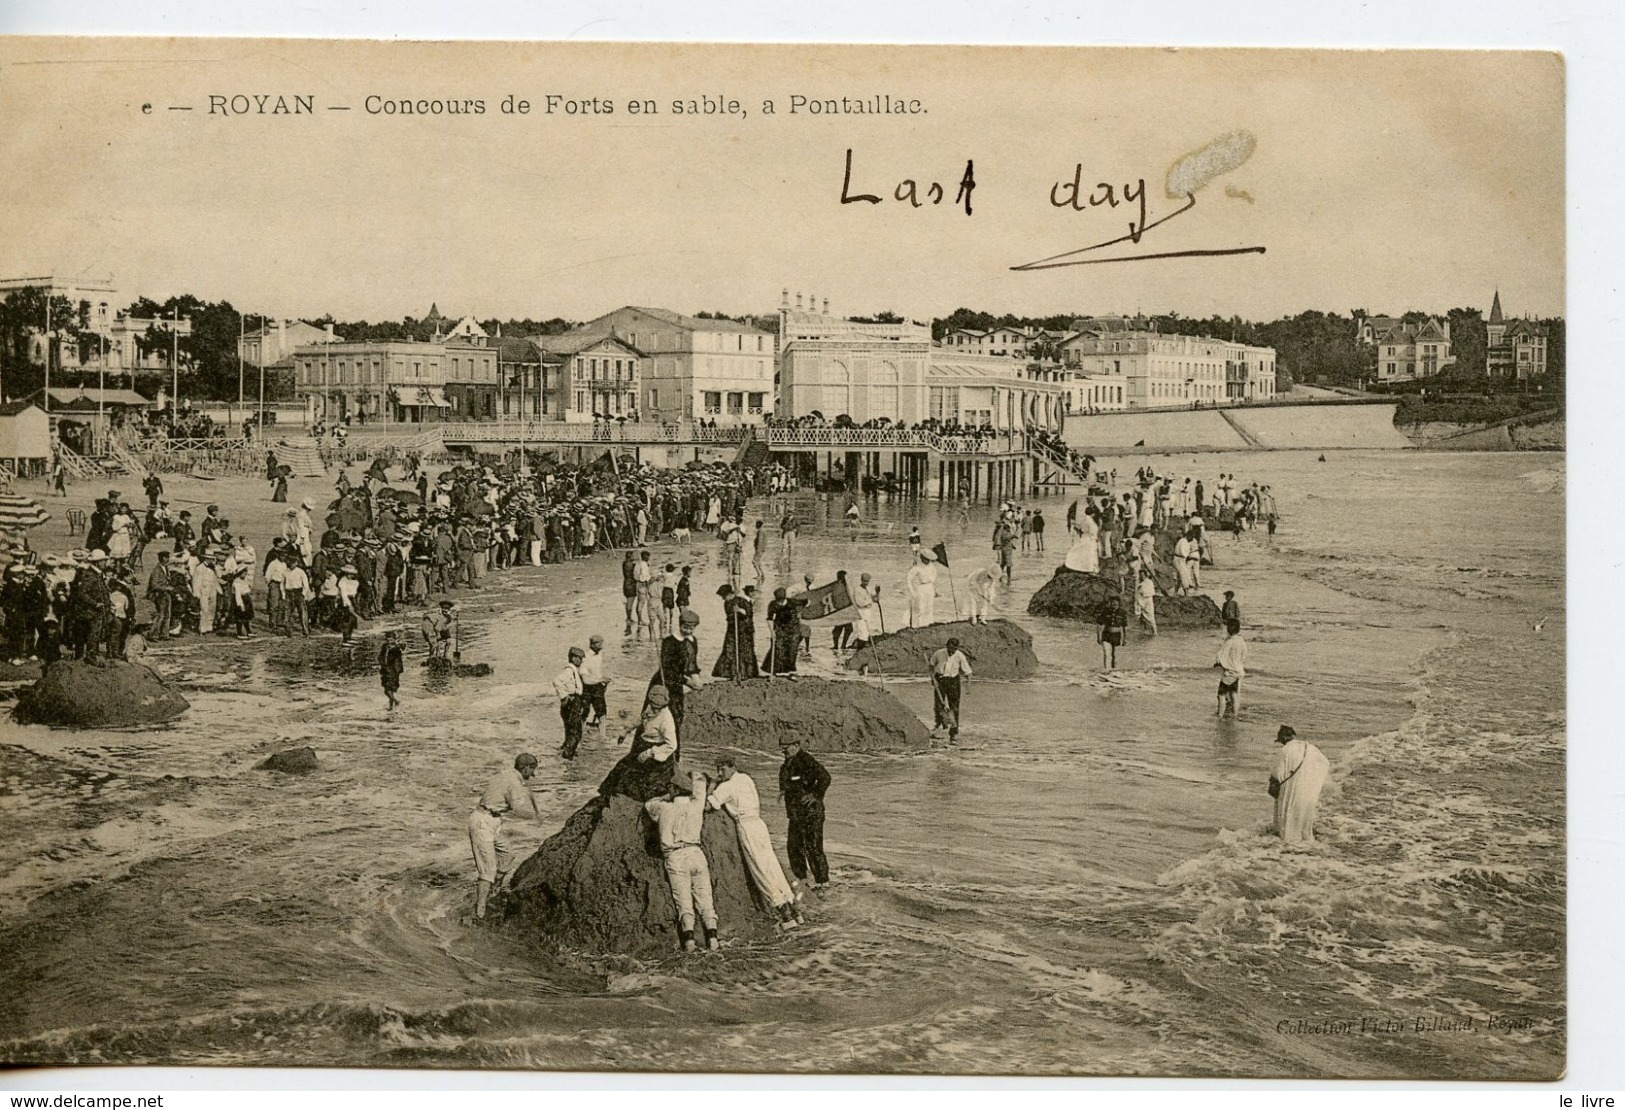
(874, 372)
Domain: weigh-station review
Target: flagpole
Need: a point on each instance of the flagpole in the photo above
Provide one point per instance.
(175, 368)
(47, 350)
(262, 384)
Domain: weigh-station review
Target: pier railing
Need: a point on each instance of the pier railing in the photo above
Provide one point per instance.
(955, 444)
(542, 432)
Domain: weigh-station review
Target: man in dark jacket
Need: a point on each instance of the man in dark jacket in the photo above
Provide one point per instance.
(160, 591)
(803, 782)
(89, 608)
(679, 664)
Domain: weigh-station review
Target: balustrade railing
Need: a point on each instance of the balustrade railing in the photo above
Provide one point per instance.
(550, 431)
(908, 439)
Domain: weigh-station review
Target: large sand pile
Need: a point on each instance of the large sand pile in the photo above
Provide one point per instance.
(108, 694)
(825, 715)
(1074, 595)
(599, 884)
(997, 649)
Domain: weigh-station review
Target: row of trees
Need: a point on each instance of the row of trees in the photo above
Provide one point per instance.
(1310, 346)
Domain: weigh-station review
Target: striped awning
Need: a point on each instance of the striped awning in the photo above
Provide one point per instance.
(17, 511)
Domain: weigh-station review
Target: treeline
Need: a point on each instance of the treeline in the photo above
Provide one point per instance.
(422, 331)
(1312, 346)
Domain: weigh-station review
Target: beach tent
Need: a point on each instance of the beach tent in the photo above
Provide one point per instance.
(18, 513)
(25, 438)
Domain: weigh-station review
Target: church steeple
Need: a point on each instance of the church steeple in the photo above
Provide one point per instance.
(1495, 309)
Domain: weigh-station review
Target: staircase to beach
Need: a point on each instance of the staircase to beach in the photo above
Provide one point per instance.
(1247, 436)
(1062, 469)
(119, 460)
(78, 465)
(752, 452)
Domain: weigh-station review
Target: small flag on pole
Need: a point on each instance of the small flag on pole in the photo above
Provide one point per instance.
(941, 552)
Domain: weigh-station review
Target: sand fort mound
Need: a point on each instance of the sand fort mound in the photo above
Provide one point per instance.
(997, 649)
(107, 694)
(599, 885)
(826, 715)
(1075, 595)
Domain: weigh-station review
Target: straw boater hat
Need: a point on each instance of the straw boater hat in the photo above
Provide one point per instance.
(78, 555)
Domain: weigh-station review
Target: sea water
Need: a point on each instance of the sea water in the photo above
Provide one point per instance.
(1085, 884)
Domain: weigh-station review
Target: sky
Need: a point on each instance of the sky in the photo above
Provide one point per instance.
(1380, 180)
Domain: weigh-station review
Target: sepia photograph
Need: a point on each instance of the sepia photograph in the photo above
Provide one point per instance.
(807, 558)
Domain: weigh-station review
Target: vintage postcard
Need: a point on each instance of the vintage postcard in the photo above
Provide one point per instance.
(802, 559)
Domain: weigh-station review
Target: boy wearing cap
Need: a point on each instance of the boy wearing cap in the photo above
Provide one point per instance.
(506, 793)
(644, 771)
(679, 663)
(572, 701)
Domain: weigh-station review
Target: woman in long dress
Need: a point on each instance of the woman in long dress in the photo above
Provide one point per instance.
(120, 540)
(784, 615)
(1299, 774)
(1084, 554)
(921, 583)
(738, 657)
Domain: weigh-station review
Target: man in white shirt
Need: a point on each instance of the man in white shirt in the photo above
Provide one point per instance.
(276, 573)
(295, 593)
(1145, 601)
(572, 702)
(864, 599)
(440, 631)
(981, 592)
(949, 667)
(735, 794)
(1187, 558)
(643, 577)
(595, 680)
(506, 793)
(1232, 662)
(680, 816)
(349, 588)
(206, 588)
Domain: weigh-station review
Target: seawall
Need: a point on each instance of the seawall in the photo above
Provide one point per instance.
(1281, 427)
